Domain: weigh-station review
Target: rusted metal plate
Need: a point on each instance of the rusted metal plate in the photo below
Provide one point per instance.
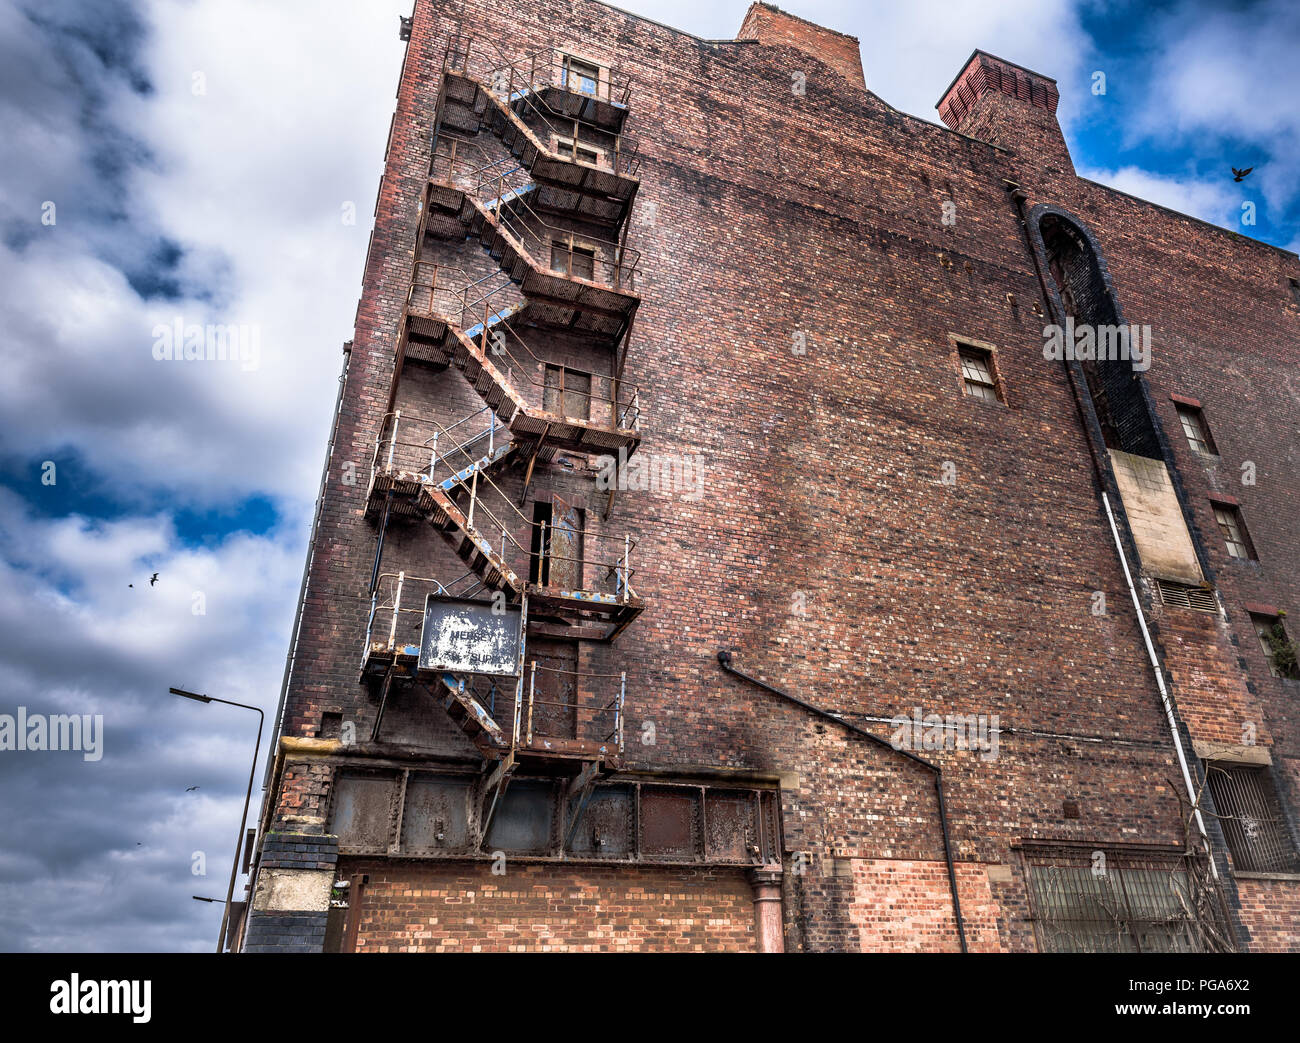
(605, 829)
(462, 636)
(524, 821)
(670, 822)
(731, 826)
(362, 812)
(436, 816)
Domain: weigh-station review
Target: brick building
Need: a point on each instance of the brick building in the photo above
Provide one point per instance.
(712, 553)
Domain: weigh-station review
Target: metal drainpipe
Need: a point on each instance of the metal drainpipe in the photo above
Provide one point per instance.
(1166, 702)
(724, 660)
(1018, 198)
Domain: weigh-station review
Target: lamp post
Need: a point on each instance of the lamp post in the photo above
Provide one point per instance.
(239, 840)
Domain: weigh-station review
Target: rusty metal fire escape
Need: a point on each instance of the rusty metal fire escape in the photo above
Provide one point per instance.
(562, 162)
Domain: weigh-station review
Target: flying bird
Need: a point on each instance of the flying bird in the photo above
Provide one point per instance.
(153, 579)
(190, 789)
(1238, 175)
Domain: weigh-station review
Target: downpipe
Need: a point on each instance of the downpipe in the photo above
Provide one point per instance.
(1165, 701)
(724, 660)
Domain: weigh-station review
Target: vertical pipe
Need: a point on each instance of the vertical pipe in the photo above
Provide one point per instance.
(532, 686)
(618, 715)
(392, 444)
(1164, 693)
(769, 935)
(397, 602)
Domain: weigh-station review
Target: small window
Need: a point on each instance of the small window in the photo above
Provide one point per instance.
(1248, 808)
(1279, 650)
(576, 261)
(1295, 289)
(1235, 537)
(581, 77)
(977, 373)
(1197, 430)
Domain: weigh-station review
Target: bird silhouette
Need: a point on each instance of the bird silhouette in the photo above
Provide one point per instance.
(1238, 175)
(153, 579)
(130, 584)
(190, 789)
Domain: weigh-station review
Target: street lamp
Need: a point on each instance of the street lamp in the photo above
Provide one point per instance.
(239, 840)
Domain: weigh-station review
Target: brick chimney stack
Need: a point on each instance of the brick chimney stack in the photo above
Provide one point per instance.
(768, 24)
(997, 101)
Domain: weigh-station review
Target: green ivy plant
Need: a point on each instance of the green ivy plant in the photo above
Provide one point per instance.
(1285, 653)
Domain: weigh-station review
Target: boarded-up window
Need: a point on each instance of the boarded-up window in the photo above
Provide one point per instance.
(581, 77)
(567, 392)
(1252, 820)
(576, 261)
(567, 148)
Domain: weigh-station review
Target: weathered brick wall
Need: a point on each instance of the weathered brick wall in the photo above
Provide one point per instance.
(903, 906)
(1270, 909)
(410, 908)
(800, 288)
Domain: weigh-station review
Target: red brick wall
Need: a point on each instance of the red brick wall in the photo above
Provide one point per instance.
(768, 24)
(1270, 910)
(827, 551)
(428, 908)
(903, 906)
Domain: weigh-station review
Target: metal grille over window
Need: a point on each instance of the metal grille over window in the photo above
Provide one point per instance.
(1252, 819)
(977, 375)
(1123, 900)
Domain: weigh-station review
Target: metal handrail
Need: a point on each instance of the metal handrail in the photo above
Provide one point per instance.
(624, 398)
(626, 158)
(509, 78)
(615, 704)
(622, 269)
(488, 185)
(476, 487)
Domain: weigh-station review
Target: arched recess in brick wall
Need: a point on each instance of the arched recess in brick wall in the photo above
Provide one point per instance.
(1084, 294)
(1119, 413)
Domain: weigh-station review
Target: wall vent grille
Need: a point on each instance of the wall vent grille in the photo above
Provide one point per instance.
(1182, 595)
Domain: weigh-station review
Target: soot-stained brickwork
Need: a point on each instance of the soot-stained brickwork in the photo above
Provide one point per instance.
(934, 567)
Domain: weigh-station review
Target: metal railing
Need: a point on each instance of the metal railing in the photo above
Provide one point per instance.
(523, 81)
(498, 186)
(560, 704)
(396, 598)
(445, 292)
(603, 720)
(532, 550)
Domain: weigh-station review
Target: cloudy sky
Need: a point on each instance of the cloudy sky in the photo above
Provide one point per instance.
(195, 161)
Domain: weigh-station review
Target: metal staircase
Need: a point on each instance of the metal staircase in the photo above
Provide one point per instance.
(531, 211)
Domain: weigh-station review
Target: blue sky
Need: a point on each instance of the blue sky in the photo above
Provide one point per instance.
(201, 157)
